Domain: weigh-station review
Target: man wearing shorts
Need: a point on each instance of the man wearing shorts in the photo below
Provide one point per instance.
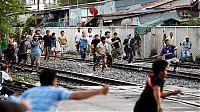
(63, 43)
(101, 51)
(169, 55)
(35, 52)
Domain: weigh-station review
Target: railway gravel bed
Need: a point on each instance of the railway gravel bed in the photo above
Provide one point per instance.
(113, 73)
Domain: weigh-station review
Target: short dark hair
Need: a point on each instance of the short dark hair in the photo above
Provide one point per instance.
(115, 33)
(159, 65)
(23, 37)
(4, 66)
(96, 35)
(47, 76)
(62, 31)
(89, 29)
(47, 31)
(3, 35)
(30, 31)
(107, 32)
(53, 33)
(103, 38)
(36, 31)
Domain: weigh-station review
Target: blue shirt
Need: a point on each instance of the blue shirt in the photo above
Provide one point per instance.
(35, 48)
(83, 42)
(168, 52)
(45, 98)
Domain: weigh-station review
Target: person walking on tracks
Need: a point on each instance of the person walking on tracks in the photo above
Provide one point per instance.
(169, 55)
(186, 46)
(149, 100)
(35, 52)
(22, 52)
(101, 51)
(83, 45)
(47, 45)
(45, 97)
(127, 49)
(63, 43)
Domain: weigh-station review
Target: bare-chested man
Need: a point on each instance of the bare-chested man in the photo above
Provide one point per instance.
(63, 43)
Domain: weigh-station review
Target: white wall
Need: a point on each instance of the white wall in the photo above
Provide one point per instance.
(149, 41)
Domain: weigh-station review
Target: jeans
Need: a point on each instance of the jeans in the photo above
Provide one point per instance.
(129, 54)
(185, 54)
(47, 52)
(83, 53)
(109, 59)
(94, 55)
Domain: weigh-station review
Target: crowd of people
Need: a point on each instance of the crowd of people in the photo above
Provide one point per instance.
(105, 50)
(87, 44)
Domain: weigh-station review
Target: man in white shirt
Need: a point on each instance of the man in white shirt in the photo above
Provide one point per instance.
(91, 37)
(109, 42)
(101, 51)
(77, 38)
(4, 75)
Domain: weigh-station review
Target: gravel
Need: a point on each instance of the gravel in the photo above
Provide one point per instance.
(113, 73)
(117, 74)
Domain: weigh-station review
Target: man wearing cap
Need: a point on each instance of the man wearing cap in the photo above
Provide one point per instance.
(186, 46)
(168, 54)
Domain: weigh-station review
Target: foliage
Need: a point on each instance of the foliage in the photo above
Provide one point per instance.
(191, 22)
(27, 25)
(153, 52)
(9, 11)
(197, 60)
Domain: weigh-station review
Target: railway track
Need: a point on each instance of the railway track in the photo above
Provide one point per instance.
(179, 74)
(83, 79)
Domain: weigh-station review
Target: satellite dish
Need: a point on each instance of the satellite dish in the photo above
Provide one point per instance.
(126, 22)
(72, 15)
(94, 11)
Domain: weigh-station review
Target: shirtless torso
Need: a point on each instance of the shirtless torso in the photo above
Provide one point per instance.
(10, 41)
(63, 40)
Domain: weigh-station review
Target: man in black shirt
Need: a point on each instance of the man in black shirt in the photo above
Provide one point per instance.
(47, 45)
(22, 52)
(116, 45)
(128, 51)
(94, 45)
(150, 98)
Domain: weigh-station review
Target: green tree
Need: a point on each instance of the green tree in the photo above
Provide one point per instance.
(191, 22)
(9, 10)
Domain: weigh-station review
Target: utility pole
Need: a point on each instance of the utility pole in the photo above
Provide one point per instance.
(38, 4)
(77, 14)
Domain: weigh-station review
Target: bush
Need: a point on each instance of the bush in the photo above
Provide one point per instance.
(153, 52)
(197, 60)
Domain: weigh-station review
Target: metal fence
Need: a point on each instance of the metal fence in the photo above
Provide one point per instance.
(151, 40)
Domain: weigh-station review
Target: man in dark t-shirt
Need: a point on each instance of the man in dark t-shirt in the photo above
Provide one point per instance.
(116, 45)
(128, 51)
(47, 45)
(149, 100)
(94, 45)
(22, 52)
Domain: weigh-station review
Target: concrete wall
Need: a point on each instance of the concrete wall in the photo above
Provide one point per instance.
(152, 40)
